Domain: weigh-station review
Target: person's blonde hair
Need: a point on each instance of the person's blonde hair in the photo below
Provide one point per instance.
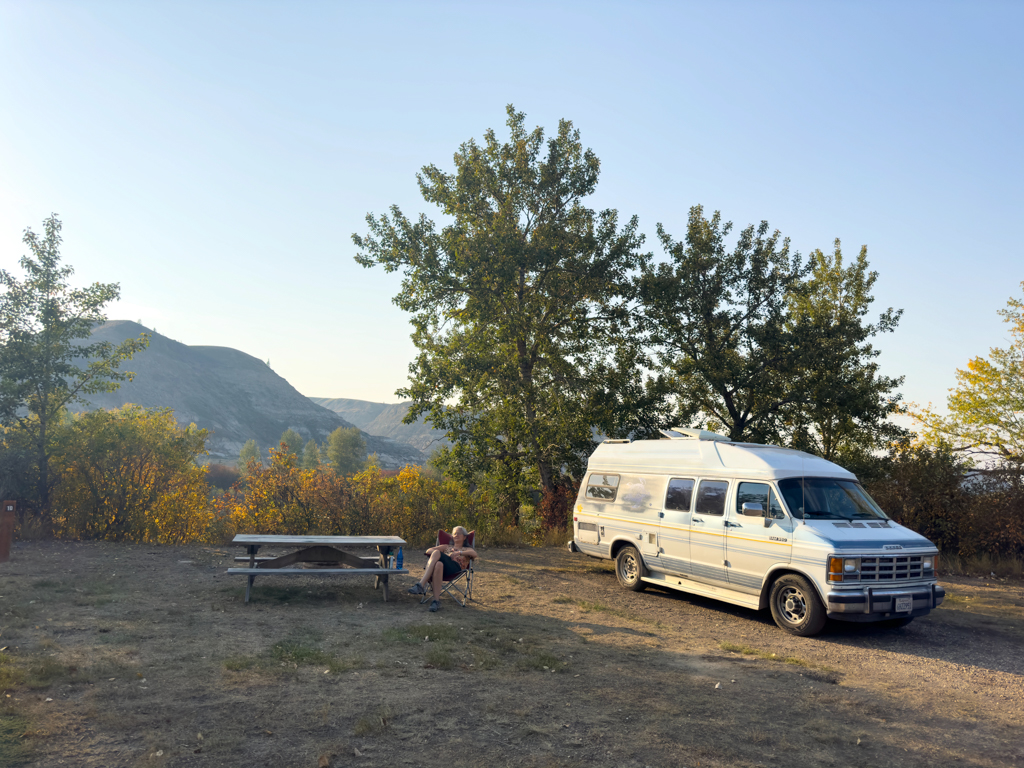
(460, 529)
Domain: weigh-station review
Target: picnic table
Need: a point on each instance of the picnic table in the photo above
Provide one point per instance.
(320, 552)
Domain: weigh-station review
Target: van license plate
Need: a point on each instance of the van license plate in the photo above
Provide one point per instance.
(904, 604)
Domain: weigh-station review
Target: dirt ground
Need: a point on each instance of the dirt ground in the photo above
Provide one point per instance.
(124, 655)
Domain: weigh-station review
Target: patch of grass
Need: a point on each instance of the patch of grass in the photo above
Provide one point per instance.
(586, 605)
(239, 663)
(296, 652)
(45, 672)
(822, 673)
(15, 749)
(440, 657)
(541, 661)
(10, 674)
(47, 584)
(117, 638)
(375, 724)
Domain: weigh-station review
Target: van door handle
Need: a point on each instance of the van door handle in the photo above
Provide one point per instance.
(730, 524)
(697, 520)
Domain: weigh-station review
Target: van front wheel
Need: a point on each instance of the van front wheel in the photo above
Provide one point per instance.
(796, 606)
(629, 567)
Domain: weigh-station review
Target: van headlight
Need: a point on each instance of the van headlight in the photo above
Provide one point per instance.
(843, 568)
(930, 563)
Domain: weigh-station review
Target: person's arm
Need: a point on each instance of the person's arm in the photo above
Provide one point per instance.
(432, 550)
(470, 553)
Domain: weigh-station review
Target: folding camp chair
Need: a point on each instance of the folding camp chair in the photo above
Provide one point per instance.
(462, 582)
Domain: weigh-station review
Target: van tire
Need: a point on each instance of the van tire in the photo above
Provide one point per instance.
(629, 569)
(796, 606)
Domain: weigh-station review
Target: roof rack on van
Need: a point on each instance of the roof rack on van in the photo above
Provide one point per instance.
(616, 441)
(680, 433)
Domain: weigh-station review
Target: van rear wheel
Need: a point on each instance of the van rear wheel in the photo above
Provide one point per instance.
(629, 567)
(796, 607)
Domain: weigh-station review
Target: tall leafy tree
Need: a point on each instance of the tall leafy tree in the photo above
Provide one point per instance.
(249, 456)
(843, 401)
(46, 362)
(717, 318)
(311, 456)
(986, 408)
(346, 450)
(519, 303)
(293, 440)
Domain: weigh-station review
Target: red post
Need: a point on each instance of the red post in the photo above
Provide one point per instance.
(6, 529)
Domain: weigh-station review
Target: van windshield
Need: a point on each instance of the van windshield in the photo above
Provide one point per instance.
(821, 498)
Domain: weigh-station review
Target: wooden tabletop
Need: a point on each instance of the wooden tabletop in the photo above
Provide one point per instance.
(246, 538)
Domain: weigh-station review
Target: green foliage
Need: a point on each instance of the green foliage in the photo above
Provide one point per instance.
(311, 458)
(249, 457)
(43, 365)
(841, 404)
(346, 450)
(717, 318)
(766, 348)
(293, 441)
(520, 306)
(986, 408)
(930, 490)
(130, 475)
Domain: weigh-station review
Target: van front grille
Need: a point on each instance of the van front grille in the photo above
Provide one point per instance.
(902, 568)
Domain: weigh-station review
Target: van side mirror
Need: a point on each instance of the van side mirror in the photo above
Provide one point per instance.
(752, 509)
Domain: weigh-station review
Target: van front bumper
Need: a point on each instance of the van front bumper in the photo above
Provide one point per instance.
(875, 603)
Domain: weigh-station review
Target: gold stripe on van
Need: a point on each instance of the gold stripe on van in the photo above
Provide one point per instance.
(696, 530)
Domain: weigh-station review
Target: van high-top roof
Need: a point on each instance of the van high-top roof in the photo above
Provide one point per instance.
(708, 455)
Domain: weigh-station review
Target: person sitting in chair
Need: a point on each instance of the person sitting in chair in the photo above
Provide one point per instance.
(446, 561)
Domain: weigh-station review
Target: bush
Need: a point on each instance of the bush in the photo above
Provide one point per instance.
(130, 475)
(934, 492)
(285, 499)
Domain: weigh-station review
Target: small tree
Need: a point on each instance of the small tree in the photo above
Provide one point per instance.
(986, 408)
(841, 403)
(311, 457)
(249, 456)
(44, 365)
(293, 440)
(346, 450)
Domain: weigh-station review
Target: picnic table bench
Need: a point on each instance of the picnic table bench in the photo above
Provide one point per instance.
(320, 552)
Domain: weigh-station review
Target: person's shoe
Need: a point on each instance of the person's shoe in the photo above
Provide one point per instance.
(417, 589)
(434, 606)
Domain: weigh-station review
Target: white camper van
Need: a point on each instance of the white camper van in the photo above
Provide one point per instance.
(754, 525)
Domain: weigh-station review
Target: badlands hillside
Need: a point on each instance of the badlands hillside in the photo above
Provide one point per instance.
(385, 419)
(234, 395)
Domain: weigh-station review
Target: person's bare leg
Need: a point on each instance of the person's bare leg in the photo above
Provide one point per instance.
(435, 583)
(428, 572)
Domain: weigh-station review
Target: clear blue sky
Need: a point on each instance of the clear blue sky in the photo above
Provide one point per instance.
(214, 158)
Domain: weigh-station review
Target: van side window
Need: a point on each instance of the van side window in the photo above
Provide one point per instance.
(602, 487)
(680, 493)
(711, 497)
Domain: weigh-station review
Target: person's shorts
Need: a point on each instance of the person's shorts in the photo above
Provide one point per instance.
(451, 568)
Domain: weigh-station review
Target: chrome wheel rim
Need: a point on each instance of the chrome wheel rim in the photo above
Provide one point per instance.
(792, 605)
(628, 568)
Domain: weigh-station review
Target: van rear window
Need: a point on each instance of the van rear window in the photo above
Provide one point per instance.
(602, 487)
